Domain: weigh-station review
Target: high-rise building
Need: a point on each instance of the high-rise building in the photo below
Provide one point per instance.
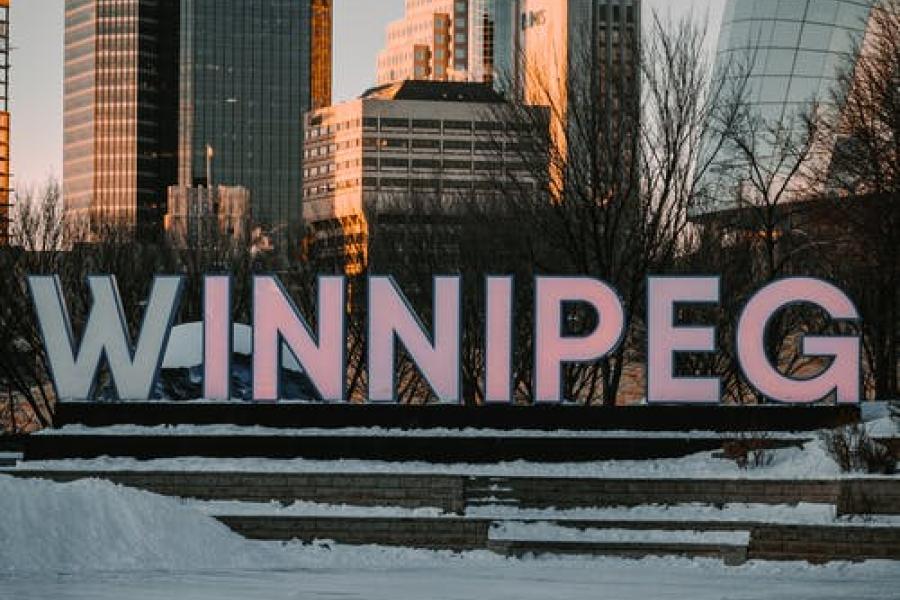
(249, 73)
(791, 52)
(120, 111)
(578, 43)
(4, 123)
(429, 143)
(150, 84)
(451, 40)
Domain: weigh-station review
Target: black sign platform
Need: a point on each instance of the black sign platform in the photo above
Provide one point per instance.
(500, 417)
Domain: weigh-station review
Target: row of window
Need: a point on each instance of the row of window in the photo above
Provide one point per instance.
(426, 146)
(449, 126)
(402, 164)
(400, 183)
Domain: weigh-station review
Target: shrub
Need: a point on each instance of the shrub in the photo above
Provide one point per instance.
(853, 450)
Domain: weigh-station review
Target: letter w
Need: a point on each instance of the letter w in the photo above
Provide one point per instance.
(133, 369)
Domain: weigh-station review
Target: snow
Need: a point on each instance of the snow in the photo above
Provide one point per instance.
(185, 347)
(95, 540)
(550, 532)
(809, 462)
(96, 525)
(308, 509)
(803, 513)
(256, 430)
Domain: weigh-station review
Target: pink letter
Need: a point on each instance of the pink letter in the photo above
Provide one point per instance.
(217, 337)
(498, 339)
(842, 377)
(552, 348)
(390, 315)
(664, 339)
(276, 319)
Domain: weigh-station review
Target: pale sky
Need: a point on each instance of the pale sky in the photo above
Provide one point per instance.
(37, 69)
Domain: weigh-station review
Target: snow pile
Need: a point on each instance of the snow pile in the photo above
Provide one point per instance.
(96, 525)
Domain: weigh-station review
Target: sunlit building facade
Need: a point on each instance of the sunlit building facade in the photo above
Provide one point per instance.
(249, 73)
(451, 40)
(791, 53)
(4, 124)
(403, 148)
(120, 112)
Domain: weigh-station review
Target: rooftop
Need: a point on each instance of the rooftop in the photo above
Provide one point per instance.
(437, 91)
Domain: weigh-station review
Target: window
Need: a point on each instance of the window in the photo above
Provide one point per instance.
(457, 146)
(426, 124)
(434, 145)
(387, 123)
(394, 163)
(458, 126)
(430, 164)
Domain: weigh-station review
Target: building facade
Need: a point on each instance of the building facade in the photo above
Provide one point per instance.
(120, 112)
(451, 40)
(249, 73)
(201, 216)
(402, 149)
(150, 84)
(790, 52)
(571, 44)
(4, 125)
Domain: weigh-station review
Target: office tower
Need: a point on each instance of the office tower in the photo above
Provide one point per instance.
(249, 73)
(450, 40)
(418, 141)
(792, 51)
(570, 44)
(120, 112)
(4, 123)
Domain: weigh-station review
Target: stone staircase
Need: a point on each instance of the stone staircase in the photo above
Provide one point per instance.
(465, 523)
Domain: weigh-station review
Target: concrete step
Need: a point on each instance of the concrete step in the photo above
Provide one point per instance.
(452, 493)
(730, 554)
(492, 448)
(441, 533)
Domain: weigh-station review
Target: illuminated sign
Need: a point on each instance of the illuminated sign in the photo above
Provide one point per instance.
(436, 350)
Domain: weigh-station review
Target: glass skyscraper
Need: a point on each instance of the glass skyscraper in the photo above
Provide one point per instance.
(249, 73)
(120, 111)
(791, 52)
(795, 46)
(151, 84)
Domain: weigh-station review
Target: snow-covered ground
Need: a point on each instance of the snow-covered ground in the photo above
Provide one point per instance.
(92, 539)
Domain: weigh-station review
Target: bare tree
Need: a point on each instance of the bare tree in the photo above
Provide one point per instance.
(625, 149)
(863, 180)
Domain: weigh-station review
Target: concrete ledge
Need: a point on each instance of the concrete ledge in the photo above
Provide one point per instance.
(445, 533)
(407, 491)
(732, 555)
(577, 492)
(435, 449)
(819, 544)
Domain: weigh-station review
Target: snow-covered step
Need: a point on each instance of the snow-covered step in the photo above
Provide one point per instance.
(9, 459)
(536, 538)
